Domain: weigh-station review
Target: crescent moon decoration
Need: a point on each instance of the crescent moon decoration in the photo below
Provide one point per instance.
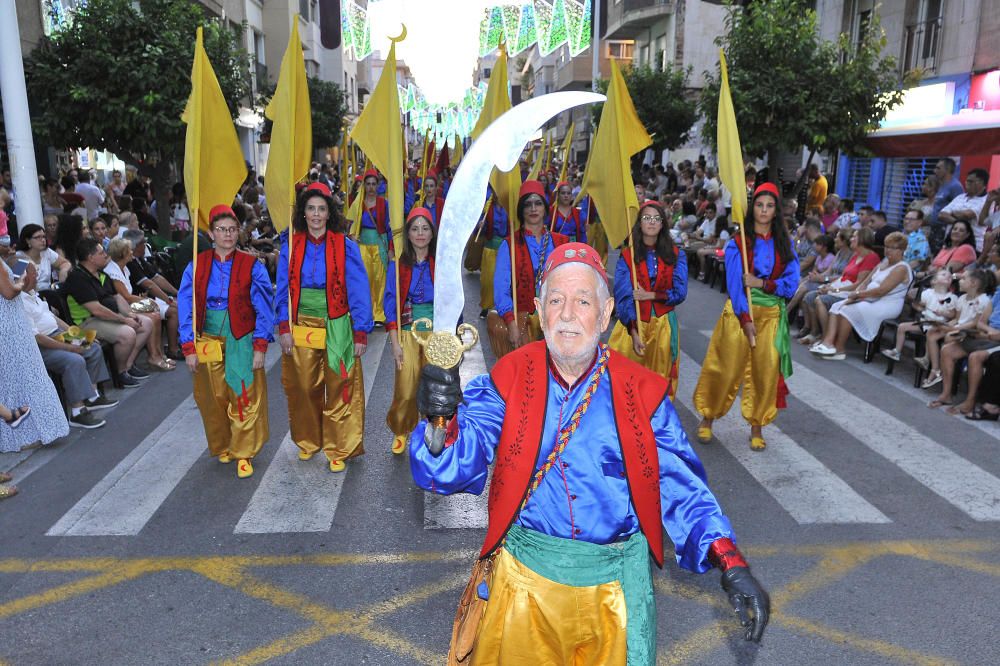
(401, 36)
(309, 336)
(500, 146)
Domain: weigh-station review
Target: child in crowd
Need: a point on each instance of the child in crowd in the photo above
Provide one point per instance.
(975, 286)
(934, 307)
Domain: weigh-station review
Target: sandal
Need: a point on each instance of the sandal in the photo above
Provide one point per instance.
(955, 410)
(934, 404)
(163, 365)
(980, 413)
(934, 379)
(17, 415)
(7, 491)
(5, 477)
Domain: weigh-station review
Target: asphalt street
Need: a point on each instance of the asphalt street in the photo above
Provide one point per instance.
(872, 520)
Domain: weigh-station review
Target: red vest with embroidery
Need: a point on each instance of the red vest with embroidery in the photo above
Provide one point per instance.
(242, 316)
(664, 282)
(406, 276)
(379, 213)
(522, 379)
(574, 216)
(436, 210)
(336, 274)
(525, 271)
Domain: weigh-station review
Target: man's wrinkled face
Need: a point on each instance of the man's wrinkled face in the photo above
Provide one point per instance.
(574, 313)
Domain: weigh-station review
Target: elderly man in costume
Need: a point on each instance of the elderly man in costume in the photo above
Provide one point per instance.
(590, 463)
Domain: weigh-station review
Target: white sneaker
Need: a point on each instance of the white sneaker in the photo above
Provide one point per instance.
(822, 350)
(923, 362)
(835, 356)
(891, 354)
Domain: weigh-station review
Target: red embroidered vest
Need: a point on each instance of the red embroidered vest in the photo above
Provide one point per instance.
(406, 276)
(521, 378)
(664, 282)
(525, 271)
(574, 216)
(336, 273)
(380, 213)
(242, 316)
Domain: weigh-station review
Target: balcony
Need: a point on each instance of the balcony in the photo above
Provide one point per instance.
(575, 73)
(628, 18)
(921, 45)
(260, 77)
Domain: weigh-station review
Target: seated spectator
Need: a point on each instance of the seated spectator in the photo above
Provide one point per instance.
(99, 232)
(864, 219)
(815, 304)
(974, 286)
(959, 249)
(880, 225)
(831, 211)
(823, 262)
(52, 203)
(918, 250)
(70, 231)
(705, 239)
(878, 297)
(989, 219)
(71, 199)
(49, 266)
(933, 307)
(51, 224)
(991, 261)
(977, 344)
(846, 219)
(688, 219)
(144, 274)
(925, 203)
(805, 238)
(81, 368)
(120, 253)
(988, 397)
(94, 304)
(968, 205)
(113, 223)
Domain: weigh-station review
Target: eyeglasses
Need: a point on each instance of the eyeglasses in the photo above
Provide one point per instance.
(227, 230)
(651, 218)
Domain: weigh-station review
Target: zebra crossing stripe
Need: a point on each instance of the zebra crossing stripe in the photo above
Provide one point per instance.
(804, 487)
(297, 496)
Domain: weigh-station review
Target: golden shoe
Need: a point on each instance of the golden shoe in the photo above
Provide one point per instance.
(399, 444)
(225, 458)
(337, 466)
(757, 444)
(244, 469)
(704, 434)
(305, 456)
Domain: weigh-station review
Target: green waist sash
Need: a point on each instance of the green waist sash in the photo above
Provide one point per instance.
(494, 243)
(581, 564)
(339, 331)
(782, 341)
(238, 356)
(421, 311)
(371, 236)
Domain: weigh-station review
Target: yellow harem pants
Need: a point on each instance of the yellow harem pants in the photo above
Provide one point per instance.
(403, 417)
(658, 358)
(243, 437)
(729, 362)
(598, 239)
(318, 414)
(487, 268)
(372, 259)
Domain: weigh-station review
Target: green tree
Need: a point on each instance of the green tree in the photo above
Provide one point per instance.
(662, 100)
(328, 107)
(792, 89)
(117, 77)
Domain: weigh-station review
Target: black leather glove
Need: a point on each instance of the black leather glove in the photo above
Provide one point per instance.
(749, 600)
(439, 392)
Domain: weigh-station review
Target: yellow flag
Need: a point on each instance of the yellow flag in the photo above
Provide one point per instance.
(291, 135)
(608, 176)
(495, 104)
(214, 168)
(567, 146)
(537, 156)
(457, 153)
(377, 132)
(730, 152)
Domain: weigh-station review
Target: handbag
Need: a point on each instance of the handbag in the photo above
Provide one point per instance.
(471, 608)
(208, 350)
(309, 337)
(144, 306)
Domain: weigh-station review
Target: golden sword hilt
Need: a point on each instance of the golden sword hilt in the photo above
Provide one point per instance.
(444, 350)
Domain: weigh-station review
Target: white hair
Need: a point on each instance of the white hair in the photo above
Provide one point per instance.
(603, 293)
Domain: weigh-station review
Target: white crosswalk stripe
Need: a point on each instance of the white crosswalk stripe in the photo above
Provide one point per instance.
(801, 484)
(296, 496)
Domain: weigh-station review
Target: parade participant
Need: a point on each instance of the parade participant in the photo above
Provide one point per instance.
(233, 296)
(659, 285)
(429, 198)
(324, 336)
(762, 365)
(373, 241)
(416, 301)
(533, 244)
(412, 183)
(494, 231)
(565, 218)
(574, 518)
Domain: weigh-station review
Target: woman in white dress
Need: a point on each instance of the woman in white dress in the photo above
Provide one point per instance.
(880, 296)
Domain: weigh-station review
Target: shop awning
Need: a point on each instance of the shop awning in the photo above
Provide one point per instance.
(973, 133)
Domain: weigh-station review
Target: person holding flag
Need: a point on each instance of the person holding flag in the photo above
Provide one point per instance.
(416, 295)
(225, 303)
(533, 243)
(373, 239)
(428, 197)
(323, 324)
(494, 230)
(654, 276)
(567, 219)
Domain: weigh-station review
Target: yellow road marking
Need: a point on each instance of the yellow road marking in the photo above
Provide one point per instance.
(69, 590)
(880, 648)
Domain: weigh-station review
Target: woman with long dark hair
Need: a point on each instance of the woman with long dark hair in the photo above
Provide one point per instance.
(69, 232)
(658, 286)
(750, 344)
(416, 302)
(324, 313)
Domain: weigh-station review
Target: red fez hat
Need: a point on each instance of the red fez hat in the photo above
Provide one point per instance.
(771, 188)
(574, 252)
(531, 187)
(319, 187)
(300, 186)
(650, 202)
(432, 173)
(371, 173)
(561, 184)
(357, 179)
(420, 211)
(222, 210)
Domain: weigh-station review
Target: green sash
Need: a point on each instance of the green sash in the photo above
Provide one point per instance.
(371, 236)
(238, 356)
(339, 331)
(782, 341)
(421, 311)
(494, 243)
(581, 564)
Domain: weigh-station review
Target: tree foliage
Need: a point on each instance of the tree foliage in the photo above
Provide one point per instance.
(117, 77)
(328, 107)
(792, 89)
(662, 102)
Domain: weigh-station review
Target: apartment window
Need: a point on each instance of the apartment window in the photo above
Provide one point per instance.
(304, 9)
(922, 39)
(314, 11)
(621, 50)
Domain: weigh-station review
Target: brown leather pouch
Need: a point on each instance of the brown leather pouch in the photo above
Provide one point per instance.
(471, 608)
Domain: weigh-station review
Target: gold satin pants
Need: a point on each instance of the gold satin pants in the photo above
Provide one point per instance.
(730, 362)
(403, 417)
(376, 278)
(496, 328)
(317, 413)
(656, 337)
(533, 620)
(598, 239)
(487, 268)
(225, 431)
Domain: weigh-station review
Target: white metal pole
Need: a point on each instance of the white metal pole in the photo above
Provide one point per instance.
(595, 68)
(17, 121)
